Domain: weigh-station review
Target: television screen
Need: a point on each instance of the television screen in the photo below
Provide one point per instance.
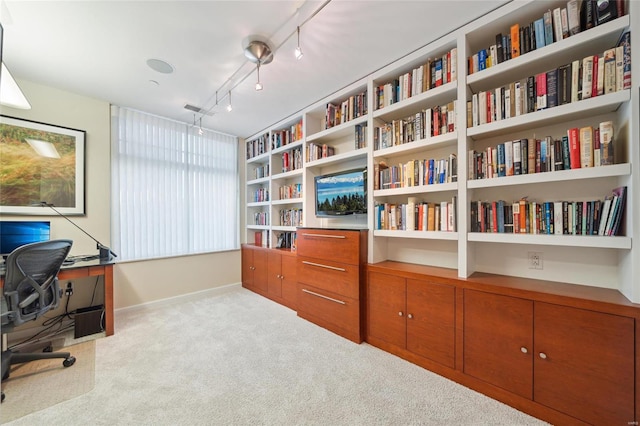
(341, 193)
(18, 233)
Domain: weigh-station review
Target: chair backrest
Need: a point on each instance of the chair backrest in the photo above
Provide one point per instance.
(31, 284)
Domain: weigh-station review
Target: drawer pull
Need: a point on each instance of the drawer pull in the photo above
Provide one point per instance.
(319, 265)
(325, 236)
(324, 297)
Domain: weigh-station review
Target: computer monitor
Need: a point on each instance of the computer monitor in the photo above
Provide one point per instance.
(14, 234)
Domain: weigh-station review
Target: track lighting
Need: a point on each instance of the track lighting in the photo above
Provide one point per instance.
(200, 131)
(298, 51)
(229, 107)
(258, 84)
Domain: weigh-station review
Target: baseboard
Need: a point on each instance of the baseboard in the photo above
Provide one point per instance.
(197, 295)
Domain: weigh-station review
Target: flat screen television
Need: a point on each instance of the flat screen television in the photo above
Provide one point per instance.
(341, 193)
(14, 234)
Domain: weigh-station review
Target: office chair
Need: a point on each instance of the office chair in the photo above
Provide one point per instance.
(30, 290)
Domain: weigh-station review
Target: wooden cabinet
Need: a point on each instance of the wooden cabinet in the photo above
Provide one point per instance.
(416, 315)
(254, 268)
(576, 361)
(330, 265)
(281, 277)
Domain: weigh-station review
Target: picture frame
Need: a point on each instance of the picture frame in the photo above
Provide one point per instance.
(41, 163)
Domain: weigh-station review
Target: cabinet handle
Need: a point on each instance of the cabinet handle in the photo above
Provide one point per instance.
(342, 237)
(278, 276)
(323, 296)
(524, 350)
(400, 314)
(282, 277)
(319, 265)
(410, 316)
(543, 355)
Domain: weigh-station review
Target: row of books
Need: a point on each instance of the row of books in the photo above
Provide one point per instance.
(291, 217)
(261, 171)
(423, 124)
(580, 147)
(261, 218)
(593, 217)
(260, 194)
(553, 26)
(316, 152)
(417, 216)
(293, 191)
(433, 73)
(287, 240)
(361, 136)
(258, 146)
(415, 173)
(292, 160)
(353, 107)
(284, 137)
(582, 79)
(261, 238)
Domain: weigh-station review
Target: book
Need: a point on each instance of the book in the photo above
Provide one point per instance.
(599, 74)
(517, 157)
(557, 24)
(508, 158)
(552, 88)
(586, 146)
(609, 71)
(605, 11)
(564, 84)
(547, 19)
(531, 155)
(564, 18)
(625, 43)
(597, 149)
(515, 40)
(575, 81)
(587, 76)
(540, 38)
(573, 15)
(606, 143)
(541, 91)
(499, 48)
(587, 14)
(574, 147)
(621, 193)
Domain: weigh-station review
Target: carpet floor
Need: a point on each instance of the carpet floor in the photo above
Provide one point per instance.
(240, 359)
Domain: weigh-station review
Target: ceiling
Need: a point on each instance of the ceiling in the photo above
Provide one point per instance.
(99, 49)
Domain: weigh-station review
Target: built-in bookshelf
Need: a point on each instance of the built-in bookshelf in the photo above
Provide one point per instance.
(416, 126)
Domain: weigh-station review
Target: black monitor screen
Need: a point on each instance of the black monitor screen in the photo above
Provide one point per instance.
(14, 234)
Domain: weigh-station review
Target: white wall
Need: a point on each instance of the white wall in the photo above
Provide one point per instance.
(134, 282)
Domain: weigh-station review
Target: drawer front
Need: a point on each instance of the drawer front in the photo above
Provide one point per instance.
(339, 246)
(331, 311)
(339, 278)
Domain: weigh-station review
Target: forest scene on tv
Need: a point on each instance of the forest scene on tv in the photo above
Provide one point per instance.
(341, 194)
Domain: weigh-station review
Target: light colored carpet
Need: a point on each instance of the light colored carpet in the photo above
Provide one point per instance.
(38, 385)
(240, 359)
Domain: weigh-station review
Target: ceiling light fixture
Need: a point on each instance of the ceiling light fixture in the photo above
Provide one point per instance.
(298, 51)
(200, 131)
(229, 107)
(258, 84)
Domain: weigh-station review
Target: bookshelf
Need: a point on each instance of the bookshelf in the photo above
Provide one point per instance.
(587, 260)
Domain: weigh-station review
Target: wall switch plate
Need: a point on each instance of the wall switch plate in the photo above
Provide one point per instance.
(535, 259)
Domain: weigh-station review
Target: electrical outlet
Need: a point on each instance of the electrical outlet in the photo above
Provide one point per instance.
(535, 260)
(69, 290)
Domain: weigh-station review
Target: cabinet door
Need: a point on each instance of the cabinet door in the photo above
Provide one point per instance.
(289, 281)
(498, 340)
(247, 267)
(260, 271)
(431, 321)
(584, 363)
(274, 274)
(386, 309)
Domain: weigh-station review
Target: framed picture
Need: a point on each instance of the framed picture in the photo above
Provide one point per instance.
(40, 163)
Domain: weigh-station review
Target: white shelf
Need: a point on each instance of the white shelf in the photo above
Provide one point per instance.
(258, 181)
(411, 190)
(287, 201)
(432, 97)
(287, 175)
(424, 235)
(557, 176)
(339, 158)
(258, 227)
(593, 241)
(287, 147)
(339, 131)
(258, 204)
(447, 139)
(559, 114)
(262, 158)
(284, 228)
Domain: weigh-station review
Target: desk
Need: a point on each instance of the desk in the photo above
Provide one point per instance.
(91, 268)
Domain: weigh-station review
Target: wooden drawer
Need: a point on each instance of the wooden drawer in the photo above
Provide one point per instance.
(329, 310)
(335, 277)
(340, 246)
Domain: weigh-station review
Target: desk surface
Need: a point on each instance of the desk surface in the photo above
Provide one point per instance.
(72, 262)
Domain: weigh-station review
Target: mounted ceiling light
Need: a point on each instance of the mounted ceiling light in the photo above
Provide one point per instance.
(298, 51)
(229, 107)
(10, 93)
(259, 51)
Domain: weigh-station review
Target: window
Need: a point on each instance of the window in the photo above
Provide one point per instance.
(174, 191)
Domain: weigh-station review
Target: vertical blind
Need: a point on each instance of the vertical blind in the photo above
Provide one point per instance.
(174, 191)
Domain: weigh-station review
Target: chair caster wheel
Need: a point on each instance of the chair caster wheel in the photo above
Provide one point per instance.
(2, 399)
(48, 349)
(69, 361)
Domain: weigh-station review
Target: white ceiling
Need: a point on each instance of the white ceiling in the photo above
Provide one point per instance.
(100, 48)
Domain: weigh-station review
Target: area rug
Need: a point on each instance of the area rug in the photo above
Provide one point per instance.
(36, 385)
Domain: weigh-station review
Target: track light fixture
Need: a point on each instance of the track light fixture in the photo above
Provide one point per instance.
(200, 131)
(229, 107)
(258, 84)
(298, 51)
